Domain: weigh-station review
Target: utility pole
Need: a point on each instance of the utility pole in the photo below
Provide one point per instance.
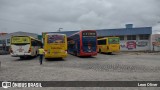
(59, 30)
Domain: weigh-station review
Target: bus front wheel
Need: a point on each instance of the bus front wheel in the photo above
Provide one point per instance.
(100, 51)
(110, 53)
(75, 53)
(22, 57)
(36, 54)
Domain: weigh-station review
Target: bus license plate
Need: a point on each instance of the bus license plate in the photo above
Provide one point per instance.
(20, 50)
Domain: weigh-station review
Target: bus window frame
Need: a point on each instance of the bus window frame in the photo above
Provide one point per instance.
(114, 38)
(47, 39)
(19, 43)
(103, 42)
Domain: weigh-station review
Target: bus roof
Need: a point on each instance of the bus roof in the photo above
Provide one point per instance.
(80, 32)
(21, 36)
(26, 36)
(107, 37)
(55, 34)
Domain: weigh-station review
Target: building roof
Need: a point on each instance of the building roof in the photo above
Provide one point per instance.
(116, 32)
(7, 36)
(125, 31)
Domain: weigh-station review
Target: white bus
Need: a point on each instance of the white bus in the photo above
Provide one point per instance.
(24, 46)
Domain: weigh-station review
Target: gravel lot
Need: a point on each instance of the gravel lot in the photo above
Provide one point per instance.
(119, 67)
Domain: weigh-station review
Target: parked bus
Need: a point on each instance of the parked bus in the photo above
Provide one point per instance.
(109, 45)
(83, 43)
(55, 45)
(24, 46)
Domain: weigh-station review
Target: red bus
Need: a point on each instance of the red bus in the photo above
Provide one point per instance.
(83, 43)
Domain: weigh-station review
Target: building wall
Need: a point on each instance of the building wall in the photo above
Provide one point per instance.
(135, 45)
(125, 45)
(155, 42)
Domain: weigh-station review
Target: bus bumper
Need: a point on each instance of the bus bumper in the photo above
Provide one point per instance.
(88, 54)
(55, 56)
(113, 51)
(18, 55)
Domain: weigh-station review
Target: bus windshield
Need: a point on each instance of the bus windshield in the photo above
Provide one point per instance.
(20, 40)
(56, 39)
(113, 40)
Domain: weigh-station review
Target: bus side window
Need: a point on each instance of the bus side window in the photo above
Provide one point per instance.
(33, 43)
(102, 42)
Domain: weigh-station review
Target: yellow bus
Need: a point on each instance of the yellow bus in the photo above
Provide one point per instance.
(109, 45)
(24, 46)
(55, 45)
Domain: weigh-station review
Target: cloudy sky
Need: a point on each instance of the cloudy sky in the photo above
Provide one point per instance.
(38, 16)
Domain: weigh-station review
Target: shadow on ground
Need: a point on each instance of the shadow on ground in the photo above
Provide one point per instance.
(54, 59)
(108, 53)
(26, 59)
(83, 56)
(87, 57)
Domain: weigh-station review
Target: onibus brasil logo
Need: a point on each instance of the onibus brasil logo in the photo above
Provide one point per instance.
(7, 84)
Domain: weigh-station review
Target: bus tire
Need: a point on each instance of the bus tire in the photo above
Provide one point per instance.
(22, 57)
(75, 53)
(109, 53)
(36, 54)
(100, 51)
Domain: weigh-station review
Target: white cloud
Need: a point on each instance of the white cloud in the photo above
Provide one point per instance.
(49, 15)
(156, 29)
